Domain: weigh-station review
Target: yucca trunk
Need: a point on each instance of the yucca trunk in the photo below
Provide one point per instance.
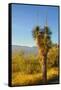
(44, 69)
(44, 64)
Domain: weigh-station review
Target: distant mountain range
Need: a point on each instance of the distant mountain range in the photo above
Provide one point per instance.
(25, 49)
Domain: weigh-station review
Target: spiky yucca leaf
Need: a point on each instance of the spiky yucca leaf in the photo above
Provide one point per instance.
(35, 32)
(47, 30)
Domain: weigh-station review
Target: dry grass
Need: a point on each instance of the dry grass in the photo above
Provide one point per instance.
(30, 79)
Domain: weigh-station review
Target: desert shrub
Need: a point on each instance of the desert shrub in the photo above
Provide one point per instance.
(53, 57)
(26, 65)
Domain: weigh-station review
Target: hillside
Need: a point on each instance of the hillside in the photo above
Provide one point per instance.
(25, 49)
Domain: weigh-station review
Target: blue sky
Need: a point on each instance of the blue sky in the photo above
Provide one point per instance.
(26, 17)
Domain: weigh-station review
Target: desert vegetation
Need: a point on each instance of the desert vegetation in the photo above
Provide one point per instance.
(27, 69)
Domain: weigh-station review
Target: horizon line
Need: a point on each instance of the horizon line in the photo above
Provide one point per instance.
(29, 45)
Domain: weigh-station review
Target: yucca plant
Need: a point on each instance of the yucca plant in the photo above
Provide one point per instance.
(42, 38)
